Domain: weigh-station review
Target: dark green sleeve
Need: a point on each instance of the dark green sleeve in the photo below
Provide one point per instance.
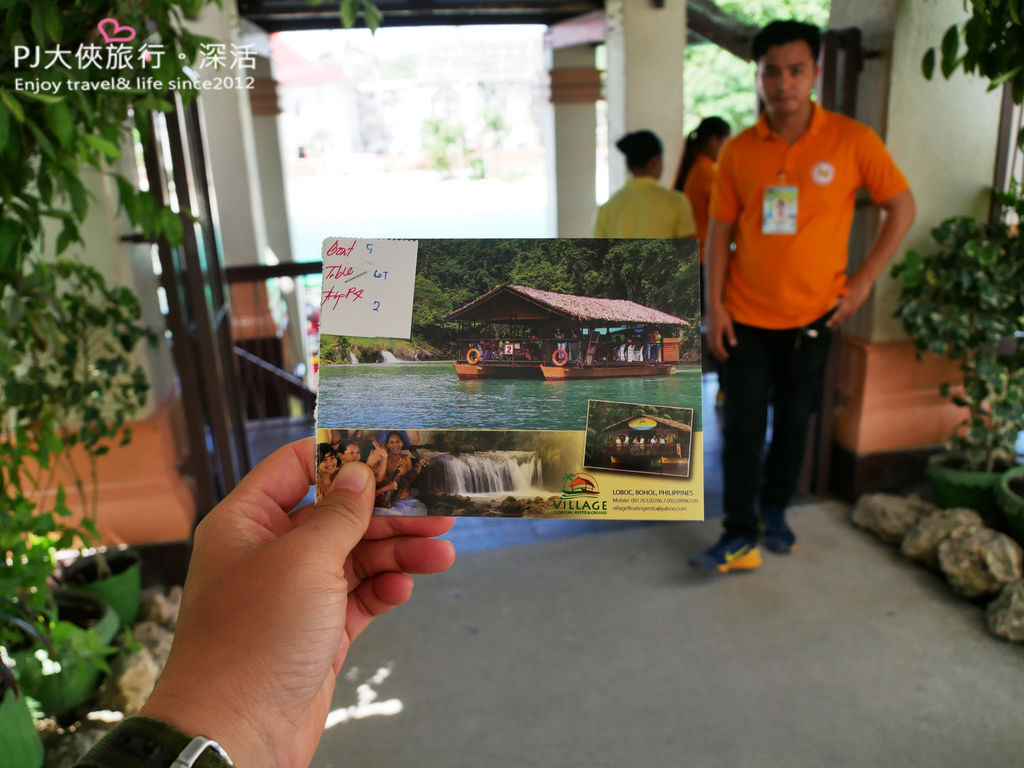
(141, 742)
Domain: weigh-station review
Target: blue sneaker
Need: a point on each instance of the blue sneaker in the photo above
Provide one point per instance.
(730, 554)
(778, 537)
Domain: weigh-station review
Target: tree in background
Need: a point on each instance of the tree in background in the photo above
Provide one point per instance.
(718, 83)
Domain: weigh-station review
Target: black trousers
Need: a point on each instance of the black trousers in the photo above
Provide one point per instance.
(785, 369)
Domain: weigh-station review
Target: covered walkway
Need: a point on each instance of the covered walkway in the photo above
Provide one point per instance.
(578, 643)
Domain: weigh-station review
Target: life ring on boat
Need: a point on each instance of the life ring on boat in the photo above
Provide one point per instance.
(559, 357)
(473, 356)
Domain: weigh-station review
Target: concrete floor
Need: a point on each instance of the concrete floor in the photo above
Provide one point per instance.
(607, 650)
(577, 643)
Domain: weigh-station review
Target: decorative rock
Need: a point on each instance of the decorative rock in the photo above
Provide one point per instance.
(136, 681)
(161, 608)
(155, 638)
(921, 543)
(1005, 614)
(129, 684)
(979, 561)
(889, 516)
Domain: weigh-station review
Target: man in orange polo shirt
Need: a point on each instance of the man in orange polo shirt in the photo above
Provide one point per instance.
(784, 193)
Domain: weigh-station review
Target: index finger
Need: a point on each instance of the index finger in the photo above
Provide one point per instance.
(386, 526)
(282, 480)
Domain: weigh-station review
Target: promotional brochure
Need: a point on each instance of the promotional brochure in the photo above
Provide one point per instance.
(514, 378)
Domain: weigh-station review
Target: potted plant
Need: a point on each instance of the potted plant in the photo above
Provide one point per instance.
(68, 672)
(1010, 496)
(964, 301)
(70, 386)
(18, 734)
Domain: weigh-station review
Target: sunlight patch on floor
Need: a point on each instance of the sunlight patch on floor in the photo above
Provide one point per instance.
(366, 699)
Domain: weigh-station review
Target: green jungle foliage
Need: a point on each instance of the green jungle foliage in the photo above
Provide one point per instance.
(452, 273)
(718, 83)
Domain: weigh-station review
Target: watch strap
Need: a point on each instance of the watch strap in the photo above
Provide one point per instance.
(142, 742)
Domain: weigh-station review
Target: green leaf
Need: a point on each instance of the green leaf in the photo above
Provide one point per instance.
(172, 226)
(1000, 79)
(52, 22)
(928, 64)
(13, 105)
(58, 119)
(5, 128)
(108, 148)
(77, 195)
(155, 104)
(372, 16)
(347, 11)
(42, 98)
(45, 145)
(950, 44)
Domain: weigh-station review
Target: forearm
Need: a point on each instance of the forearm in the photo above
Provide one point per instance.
(899, 215)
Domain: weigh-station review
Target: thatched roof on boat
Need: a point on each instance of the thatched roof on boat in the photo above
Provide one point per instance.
(520, 303)
(624, 424)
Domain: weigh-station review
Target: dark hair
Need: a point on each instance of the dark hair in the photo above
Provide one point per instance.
(398, 435)
(639, 148)
(365, 448)
(323, 450)
(695, 141)
(782, 32)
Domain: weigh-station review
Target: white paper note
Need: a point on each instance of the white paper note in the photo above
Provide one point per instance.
(368, 287)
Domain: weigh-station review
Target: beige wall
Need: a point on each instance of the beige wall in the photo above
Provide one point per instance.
(941, 133)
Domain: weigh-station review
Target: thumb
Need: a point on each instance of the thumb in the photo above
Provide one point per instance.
(340, 518)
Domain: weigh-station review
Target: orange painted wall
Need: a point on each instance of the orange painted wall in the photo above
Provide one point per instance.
(889, 401)
(142, 496)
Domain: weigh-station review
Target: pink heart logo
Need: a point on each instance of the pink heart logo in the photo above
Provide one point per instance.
(115, 33)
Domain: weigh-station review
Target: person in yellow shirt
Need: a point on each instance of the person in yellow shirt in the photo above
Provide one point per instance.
(643, 208)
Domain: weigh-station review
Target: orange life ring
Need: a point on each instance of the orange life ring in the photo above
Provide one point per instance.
(559, 357)
(473, 356)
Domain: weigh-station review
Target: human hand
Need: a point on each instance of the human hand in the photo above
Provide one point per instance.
(720, 331)
(858, 291)
(272, 603)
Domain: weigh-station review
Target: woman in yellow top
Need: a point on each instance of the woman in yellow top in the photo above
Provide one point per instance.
(643, 208)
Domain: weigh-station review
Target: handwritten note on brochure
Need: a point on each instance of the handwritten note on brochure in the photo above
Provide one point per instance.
(367, 287)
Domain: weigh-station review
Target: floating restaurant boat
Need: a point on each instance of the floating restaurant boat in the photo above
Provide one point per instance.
(647, 443)
(558, 336)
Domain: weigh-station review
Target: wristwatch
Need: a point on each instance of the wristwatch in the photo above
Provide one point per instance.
(142, 742)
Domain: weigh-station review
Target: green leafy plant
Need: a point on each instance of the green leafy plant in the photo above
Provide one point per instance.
(990, 43)
(964, 301)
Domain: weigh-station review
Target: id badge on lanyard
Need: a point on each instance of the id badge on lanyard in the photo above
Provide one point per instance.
(778, 211)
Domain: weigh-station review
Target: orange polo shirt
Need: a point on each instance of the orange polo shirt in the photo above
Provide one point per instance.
(698, 190)
(789, 280)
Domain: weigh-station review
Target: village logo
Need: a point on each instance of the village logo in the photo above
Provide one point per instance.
(579, 490)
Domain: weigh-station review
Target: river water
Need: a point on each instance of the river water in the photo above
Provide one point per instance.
(430, 396)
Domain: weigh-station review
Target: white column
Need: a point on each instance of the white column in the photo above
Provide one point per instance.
(644, 85)
(575, 87)
(231, 149)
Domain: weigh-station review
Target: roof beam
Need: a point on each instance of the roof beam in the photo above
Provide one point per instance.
(706, 19)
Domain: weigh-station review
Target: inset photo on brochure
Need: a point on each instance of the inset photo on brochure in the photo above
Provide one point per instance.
(455, 472)
(493, 338)
(633, 437)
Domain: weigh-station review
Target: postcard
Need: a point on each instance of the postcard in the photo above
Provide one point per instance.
(514, 378)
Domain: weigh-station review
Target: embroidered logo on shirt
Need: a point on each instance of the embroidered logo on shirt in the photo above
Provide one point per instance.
(823, 173)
